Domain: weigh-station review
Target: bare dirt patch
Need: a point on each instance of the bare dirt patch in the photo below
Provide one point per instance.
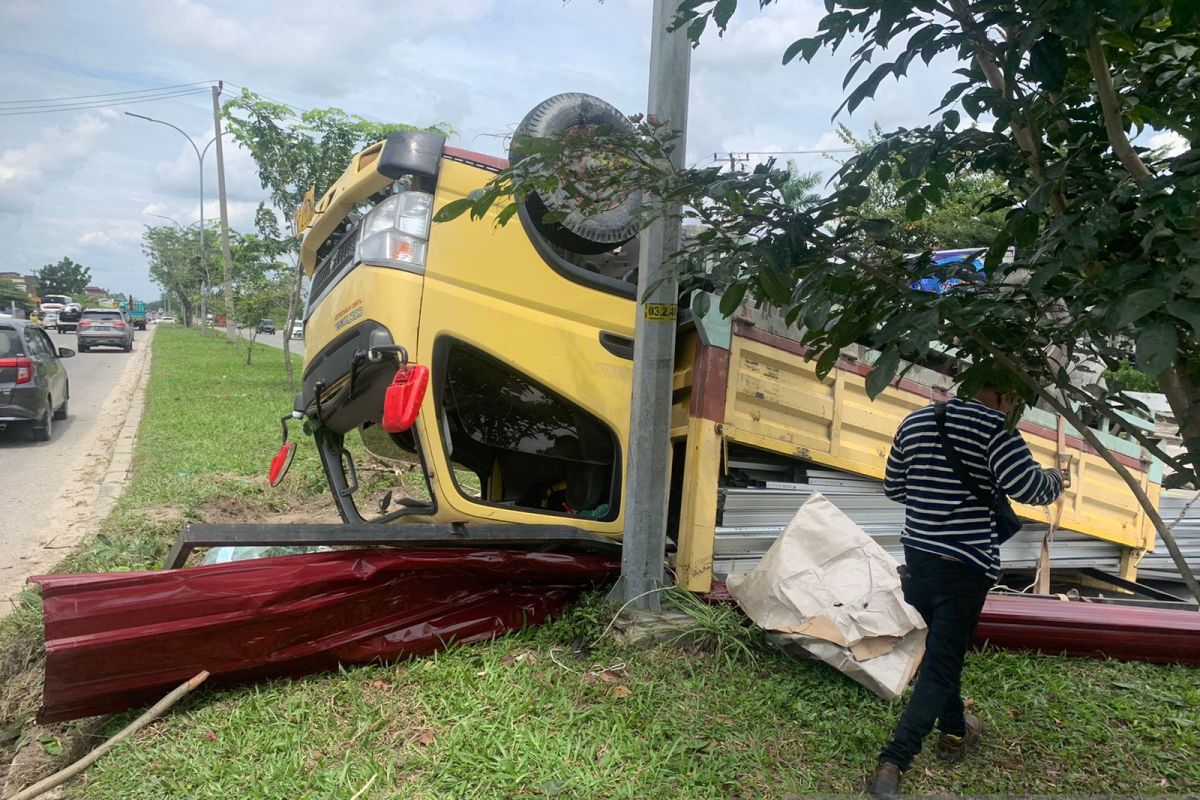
(270, 508)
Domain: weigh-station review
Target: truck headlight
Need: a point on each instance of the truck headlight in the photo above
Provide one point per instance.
(397, 230)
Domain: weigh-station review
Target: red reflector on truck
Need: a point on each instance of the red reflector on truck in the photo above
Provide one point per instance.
(281, 462)
(402, 402)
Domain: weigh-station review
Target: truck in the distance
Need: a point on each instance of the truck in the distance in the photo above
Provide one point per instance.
(136, 310)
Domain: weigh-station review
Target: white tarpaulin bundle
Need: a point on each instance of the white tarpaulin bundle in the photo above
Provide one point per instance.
(826, 589)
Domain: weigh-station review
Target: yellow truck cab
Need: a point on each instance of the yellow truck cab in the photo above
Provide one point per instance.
(524, 334)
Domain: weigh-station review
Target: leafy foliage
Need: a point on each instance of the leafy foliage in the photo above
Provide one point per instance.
(177, 265)
(64, 277)
(956, 219)
(296, 151)
(261, 283)
(1127, 376)
(800, 190)
(11, 294)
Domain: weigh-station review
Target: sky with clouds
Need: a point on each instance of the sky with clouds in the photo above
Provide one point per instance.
(85, 183)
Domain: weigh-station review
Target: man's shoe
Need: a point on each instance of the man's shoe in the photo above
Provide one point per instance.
(954, 748)
(885, 781)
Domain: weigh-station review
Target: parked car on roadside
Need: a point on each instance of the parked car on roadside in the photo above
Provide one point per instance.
(297, 329)
(34, 388)
(104, 327)
(266, 326)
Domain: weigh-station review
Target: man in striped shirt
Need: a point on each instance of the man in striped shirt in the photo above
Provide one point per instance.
(952, 556)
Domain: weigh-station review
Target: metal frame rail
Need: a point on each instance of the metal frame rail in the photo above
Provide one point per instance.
(544, 538)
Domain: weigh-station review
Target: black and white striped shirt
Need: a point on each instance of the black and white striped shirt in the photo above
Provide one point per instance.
(942, 516)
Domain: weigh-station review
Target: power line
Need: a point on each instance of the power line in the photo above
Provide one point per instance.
(54, 100)
(725, 156)
(113, 102)
(106, 104)
(264, 97)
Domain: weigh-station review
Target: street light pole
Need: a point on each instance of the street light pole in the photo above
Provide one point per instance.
(200, 160)
(644, 542)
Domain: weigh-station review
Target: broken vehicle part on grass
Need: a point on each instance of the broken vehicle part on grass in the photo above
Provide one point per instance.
(117, 641)
(827, 590)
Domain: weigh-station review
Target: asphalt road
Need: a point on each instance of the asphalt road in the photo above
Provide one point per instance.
(276, 340)
(33, 474)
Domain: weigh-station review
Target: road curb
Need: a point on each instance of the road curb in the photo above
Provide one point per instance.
(121, 463)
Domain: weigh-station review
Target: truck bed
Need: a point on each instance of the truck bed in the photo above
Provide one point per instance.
(753, 387)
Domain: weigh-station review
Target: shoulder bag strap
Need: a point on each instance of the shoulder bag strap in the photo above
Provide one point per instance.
(960, 470)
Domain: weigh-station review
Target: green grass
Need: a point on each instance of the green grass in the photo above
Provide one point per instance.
(540, 714)
(208, 432)
(524, 717)
(208, 414)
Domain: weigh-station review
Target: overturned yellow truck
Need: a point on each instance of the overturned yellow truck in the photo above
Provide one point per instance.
(512, 346)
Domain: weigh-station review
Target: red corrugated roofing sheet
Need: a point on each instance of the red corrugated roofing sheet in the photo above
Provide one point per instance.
(1097, 630)
(119, 640)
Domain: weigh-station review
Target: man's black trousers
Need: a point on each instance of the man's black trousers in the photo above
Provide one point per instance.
(950, 597)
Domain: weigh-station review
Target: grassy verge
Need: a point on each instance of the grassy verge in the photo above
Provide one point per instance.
(524, 717)
(560, 711)
(210, 427)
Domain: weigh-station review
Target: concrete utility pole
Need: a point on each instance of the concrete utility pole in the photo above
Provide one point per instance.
(230, 324)
(648, 481)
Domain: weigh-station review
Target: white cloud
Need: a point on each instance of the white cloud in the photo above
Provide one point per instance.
(18, 11)
(306, 45)
(1169, 142)
(759, 39)
(55, 153)
(180, 175)
(112, 237)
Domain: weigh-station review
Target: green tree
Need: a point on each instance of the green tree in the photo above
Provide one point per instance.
(175, 263)
(1105, 232)
(958, 218)
(65, 277)
(800, 190)
(261, 283)
(12, 295)
(295, 153)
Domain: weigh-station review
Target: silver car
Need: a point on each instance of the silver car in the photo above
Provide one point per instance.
(105, 327)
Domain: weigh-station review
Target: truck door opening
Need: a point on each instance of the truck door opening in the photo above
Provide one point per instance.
(528, 447)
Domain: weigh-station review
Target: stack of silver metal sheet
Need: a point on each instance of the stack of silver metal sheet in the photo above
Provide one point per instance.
(1159, 565)
(749, 519)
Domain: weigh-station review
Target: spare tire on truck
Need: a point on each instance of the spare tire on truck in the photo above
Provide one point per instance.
(590, 235)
